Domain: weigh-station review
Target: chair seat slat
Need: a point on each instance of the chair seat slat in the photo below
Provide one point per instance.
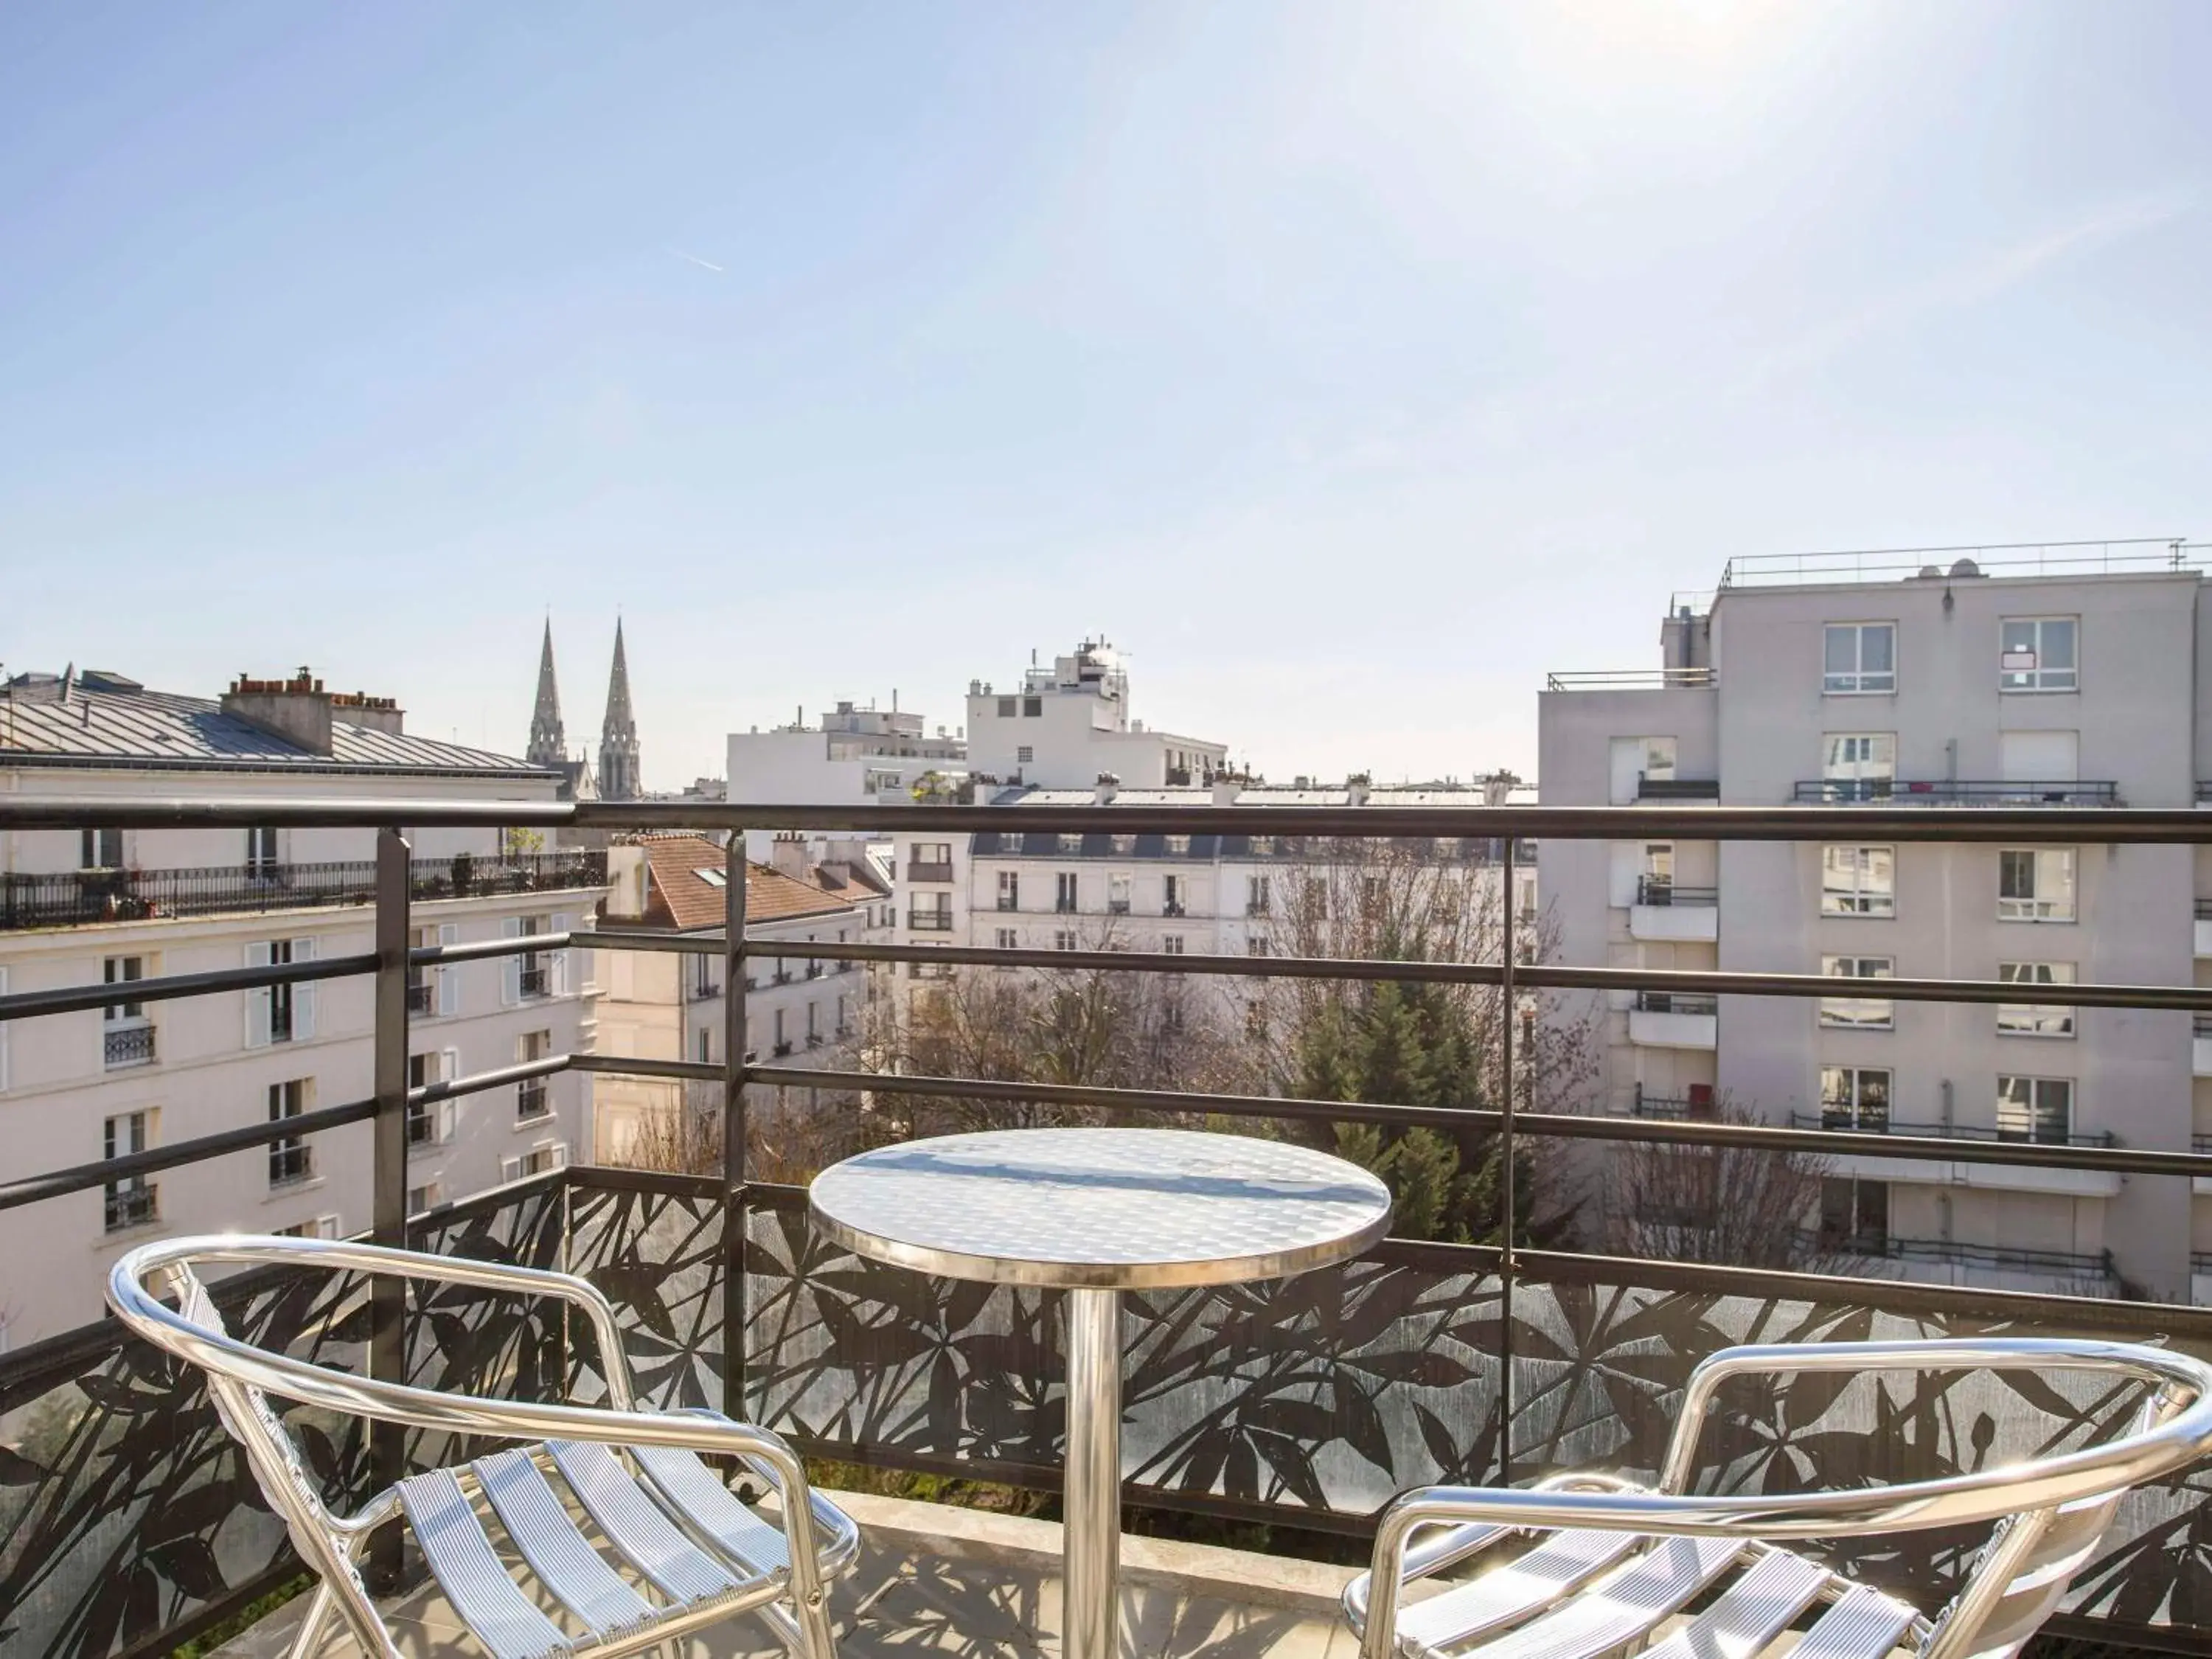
(1751, 1612)
(635, 1525)
(558, 1552)
(708, 1505)
(1864, 1624)
(1512, 1592)
(468, 1568)
(1623, 1606)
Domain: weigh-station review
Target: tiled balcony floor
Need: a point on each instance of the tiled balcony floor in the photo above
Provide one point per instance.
(932, 1578)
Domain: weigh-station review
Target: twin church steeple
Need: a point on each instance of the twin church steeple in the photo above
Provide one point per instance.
(618, 776)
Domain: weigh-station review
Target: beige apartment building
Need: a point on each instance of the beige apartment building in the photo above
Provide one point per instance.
(2076, 680)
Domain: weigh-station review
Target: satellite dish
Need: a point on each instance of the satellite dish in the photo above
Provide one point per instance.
(1928, 571)
(1966, 568)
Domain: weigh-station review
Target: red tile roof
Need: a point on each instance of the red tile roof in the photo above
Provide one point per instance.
(679, 896)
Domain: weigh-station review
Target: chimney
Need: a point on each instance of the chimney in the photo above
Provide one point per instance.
(1103, 794)
(1355, 792)
(787, 855)
(1224, 792)
(298, 710)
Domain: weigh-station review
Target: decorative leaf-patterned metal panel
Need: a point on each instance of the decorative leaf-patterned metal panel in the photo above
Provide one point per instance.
(126, 1513)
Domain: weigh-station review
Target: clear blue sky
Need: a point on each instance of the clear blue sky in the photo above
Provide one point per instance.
(1349, 365)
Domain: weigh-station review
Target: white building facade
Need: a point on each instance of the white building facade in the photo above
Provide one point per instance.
(1949, 686)
(97, 904)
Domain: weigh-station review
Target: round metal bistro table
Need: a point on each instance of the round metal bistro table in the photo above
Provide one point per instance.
(1095, 1212)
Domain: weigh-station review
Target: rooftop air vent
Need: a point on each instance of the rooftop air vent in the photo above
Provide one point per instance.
(1966, 568)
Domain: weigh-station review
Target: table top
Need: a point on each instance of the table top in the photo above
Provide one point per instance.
(1101, 1209)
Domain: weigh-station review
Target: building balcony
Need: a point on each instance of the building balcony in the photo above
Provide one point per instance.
(97, 896)
(1932, 1172)
(1630, 679)
(2203, 935)
(1952, 792)
(918, 871)
(930, 921)
(534, 980)
(1697, 1102)
(694, 991)
(130, 1204)
(1664, 913)
(421, 998)
(1175, 907)
(1288, 1408)
(2200, 1046)
(125, 1043)
(1660, 1020)
(1677, 791)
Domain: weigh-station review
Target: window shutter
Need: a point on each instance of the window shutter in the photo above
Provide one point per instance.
(449, 980)
(510, 982)
(303, 995)
(449, 1067)
(556, 977)
(445, 1130)
(256, 1001)
(510, 1168)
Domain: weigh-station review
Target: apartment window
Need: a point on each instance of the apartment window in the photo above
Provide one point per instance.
(1178, 846)
(539, 1160)
(844, 1017)
(1024, 753)
(132, 1202)
(1010, 890)
(1263, 847)
(533, 1098)
(1858, 765)
(1658, 871)
(1859, 658)
(1175, 896)
(1171, 943)
(1658, 759)
(931, 855)
(705, 1046)
(1117, 895)
(2037, 1108)
(783, 1043)
(430, 1123)
(126, 1036)
(2039, 653)
(1255, 946)
(1854, 1097)
(425, 1198)
(1008, 940)
(2035, 884)
(1123, 845)
(1255, 895)
(1858, 881)
(1854, 1216)
(1005, 709)
(1063, 890)
(1032, 707)
(290, 1159)
(813, 1025)
(1063, 940)
(320, 1226)
(279, 1013)
(528, 976)
(1070, 841)
(100, 849)
(702, 977)
(1859, 1013)
(261, 850)
(2033, 1019)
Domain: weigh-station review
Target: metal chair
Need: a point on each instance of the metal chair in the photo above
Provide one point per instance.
(674, 1549)
(1587, 1564)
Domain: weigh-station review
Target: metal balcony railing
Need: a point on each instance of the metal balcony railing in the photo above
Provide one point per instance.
(1651, 889)
(1954, 792)
(2094, 1264)
(1842, 1117)
(1649, 788)
(726, 1245)
(930, 921)
(1675, 1002)
(74, 900)
(422, 997)
(703, 990)
(1630, 679)
(123, 1045)
(130, 1204)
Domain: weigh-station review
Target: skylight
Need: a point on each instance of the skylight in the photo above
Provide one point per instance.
(712, 878)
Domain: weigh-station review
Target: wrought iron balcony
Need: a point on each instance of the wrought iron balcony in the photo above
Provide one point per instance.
(421, 998)
(534, 979)
(130, 1204)
(1952, 792)
(1675, 1002)
(1654, 890)
(127, 1043)
(77, 899)
(1300, 1405)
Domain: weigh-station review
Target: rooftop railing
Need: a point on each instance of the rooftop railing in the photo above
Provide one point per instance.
(1954, 792)
(1651, 889)
(1630, 679)
(78, 898)
(2137, 555)
(1308, 1402)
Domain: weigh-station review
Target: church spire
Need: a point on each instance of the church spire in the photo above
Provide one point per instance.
(549, 745)
(618, 756)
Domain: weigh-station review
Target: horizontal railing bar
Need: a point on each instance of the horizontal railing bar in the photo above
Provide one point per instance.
(704, 942)
(689, 1071)
(1557, 1125)
(162, 988)
(200, 1148)
(521, 1072)
(1539, 974)
(476, 949)
(2033, 826)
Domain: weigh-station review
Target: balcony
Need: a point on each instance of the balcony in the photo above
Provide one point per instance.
(2204, 936)
(535, 981)
(422, 999)
(2200, 1047)
(1697, 1102)
(130, 1204)
(918, 871)
(1173, 907)
(1676, 791)
(1632, 679)
(1660, 1019)
(97, 896)
(703, 990)
(1951, 792)
(930, 921)
(1290, 1407)
(1664, 913)
(1939, 1172)
(125, 1043)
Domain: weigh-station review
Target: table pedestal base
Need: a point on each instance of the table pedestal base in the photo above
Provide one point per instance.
(1092, 1503)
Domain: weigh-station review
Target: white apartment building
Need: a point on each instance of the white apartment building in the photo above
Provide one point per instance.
(855, 756)
(1067, 726)
(97, 904)
(1950, 684)
(661, 1005)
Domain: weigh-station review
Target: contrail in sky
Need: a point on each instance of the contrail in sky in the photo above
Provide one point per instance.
(704, 265)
